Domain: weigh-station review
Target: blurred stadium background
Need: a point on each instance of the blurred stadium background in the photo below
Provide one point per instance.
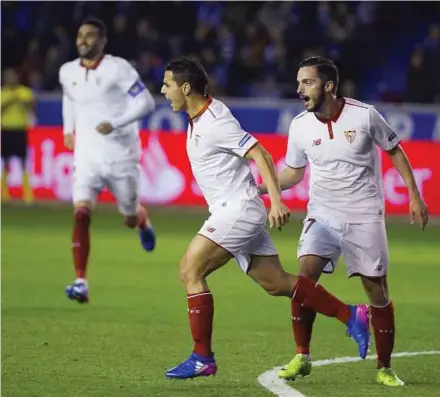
(388, 53)
(135, 327)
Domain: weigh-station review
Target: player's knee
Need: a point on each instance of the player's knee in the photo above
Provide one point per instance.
(131, 221)
(189, 271)
(84, 205)
(278, 285)
(376, 290)
(273, 288)
(311, 266)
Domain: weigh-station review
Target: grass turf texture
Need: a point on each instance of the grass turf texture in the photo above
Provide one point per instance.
(135, 326)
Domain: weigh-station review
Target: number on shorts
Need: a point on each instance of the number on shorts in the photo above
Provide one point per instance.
(311, 221)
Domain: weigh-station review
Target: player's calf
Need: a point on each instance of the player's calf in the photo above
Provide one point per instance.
(81, 238)
(382, 319)
(202, 257)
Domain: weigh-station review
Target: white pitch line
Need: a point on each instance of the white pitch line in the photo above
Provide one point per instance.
(270, 381)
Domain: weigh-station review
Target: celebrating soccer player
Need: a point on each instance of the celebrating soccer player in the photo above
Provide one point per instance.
(338, 138)
(103, 99)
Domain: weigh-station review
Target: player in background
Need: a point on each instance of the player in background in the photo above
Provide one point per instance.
(338, 138)
(219, 152)
(17, 110)
(103, 100)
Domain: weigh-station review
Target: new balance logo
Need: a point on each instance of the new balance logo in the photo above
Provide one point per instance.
(378, 268)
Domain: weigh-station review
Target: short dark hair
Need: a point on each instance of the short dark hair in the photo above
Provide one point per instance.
(187, 70)
(97, 23)
(327, 70)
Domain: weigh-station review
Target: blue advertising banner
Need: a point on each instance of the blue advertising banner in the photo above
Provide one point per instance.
(411, 122)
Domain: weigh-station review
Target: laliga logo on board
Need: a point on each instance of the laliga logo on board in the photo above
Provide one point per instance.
(160, 181)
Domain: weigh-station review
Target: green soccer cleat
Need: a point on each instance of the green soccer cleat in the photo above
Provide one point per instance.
(300, 365)
(387, 377)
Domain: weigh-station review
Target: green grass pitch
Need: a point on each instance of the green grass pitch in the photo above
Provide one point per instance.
(135, 326)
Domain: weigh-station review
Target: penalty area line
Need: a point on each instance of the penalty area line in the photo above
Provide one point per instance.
(270, 381)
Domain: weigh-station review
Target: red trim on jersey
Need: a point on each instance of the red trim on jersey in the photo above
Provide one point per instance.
(330, 129)
(202, 110)
(199, 113)
(94, 65)
(335, 117)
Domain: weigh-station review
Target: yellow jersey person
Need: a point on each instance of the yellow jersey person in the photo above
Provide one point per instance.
(17, 109)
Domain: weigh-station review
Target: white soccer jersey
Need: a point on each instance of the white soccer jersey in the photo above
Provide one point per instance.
(92, 96)
(216, 146)
(345, 170)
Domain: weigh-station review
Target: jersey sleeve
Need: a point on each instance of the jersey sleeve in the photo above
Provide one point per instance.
(128, 79)
(232, 138)
(381, 132)
(68, 113)
(295, 156)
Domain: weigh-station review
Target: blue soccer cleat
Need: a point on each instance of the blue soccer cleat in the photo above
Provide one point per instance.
(195, 365)
(78, 291)
(359, 328)
(148, 238)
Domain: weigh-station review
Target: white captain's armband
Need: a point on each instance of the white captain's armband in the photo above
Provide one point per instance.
(136, 88)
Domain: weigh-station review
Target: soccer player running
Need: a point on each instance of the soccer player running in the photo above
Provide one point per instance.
(338, 138)
(219, 152)
(103, 98)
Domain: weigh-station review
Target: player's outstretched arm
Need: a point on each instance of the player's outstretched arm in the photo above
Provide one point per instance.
(279, 213)
(417, 207)
(288, 178)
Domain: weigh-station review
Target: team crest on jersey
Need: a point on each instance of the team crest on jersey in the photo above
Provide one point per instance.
(350, 135)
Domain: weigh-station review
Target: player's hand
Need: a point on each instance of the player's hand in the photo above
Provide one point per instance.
(69, 141)
(279, 215)
(104, 128)
(418, 211)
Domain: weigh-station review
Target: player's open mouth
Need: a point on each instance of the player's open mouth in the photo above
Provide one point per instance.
(305, 99)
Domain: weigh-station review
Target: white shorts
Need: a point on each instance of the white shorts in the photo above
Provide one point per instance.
(241, 229)
(364, 246)
(121, 179)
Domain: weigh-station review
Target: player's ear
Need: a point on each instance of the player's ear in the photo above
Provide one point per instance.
(186, 89)
(328, 87)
